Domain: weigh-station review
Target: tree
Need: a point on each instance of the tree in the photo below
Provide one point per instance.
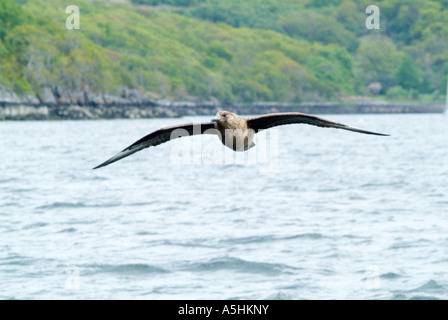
(11, 14)
(407, 74)
(377, 61)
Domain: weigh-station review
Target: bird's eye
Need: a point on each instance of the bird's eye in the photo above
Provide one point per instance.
(224, 115)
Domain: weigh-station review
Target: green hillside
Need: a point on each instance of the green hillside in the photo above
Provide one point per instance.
(229, 50)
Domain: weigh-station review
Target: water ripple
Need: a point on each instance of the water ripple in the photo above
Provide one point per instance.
(238, 265)
(268, 238)
(124, 269)
(333, 207)
(75, 205)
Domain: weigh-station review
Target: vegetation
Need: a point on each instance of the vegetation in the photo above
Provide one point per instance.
(229, 50)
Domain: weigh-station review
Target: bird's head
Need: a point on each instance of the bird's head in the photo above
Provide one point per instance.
(228, 120)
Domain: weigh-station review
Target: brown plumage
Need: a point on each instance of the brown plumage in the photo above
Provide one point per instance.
(235, 132)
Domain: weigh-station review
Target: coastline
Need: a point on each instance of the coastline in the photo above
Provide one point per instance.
(170, 109)
(61, 104)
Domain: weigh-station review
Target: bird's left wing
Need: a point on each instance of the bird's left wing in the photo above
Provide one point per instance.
(160, 136)
(279, 119)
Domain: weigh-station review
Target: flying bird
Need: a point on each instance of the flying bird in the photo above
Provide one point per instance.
(235, 132)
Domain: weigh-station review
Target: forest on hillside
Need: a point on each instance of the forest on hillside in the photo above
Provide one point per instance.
(227, 50)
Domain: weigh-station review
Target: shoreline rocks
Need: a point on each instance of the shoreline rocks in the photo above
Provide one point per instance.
(59, 104)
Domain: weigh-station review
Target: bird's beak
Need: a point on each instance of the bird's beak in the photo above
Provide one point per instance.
(216, 119)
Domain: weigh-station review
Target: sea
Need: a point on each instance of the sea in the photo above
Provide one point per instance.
(308, 213)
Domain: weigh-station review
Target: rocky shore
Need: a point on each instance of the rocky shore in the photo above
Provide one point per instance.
(58, 104)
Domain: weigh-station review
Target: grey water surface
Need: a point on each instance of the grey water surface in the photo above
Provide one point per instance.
(331, 214)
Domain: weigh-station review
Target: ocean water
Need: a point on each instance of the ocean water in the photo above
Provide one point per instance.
(331, 214)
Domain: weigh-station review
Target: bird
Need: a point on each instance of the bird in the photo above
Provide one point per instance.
(235, 132)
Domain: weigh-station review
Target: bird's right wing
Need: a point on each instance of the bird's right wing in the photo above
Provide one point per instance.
(279, 119)
(160, 136)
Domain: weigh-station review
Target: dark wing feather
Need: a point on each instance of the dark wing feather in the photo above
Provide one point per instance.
(161, 136)
(279, 119)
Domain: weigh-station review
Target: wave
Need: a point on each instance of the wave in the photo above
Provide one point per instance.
(8, 180)
(423, 298)
(17, 260)
(35, 225)
(142, 204)
(409, 244)
(430, 290)
(11, 204)
(198, 243)
(59, 205)
(430, 285)
(239, 265)
(68, 230)
(390, 276)
(279, 296)
(124, 269)
(260, 239)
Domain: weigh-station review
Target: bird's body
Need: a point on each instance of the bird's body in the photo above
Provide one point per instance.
(235, 132)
